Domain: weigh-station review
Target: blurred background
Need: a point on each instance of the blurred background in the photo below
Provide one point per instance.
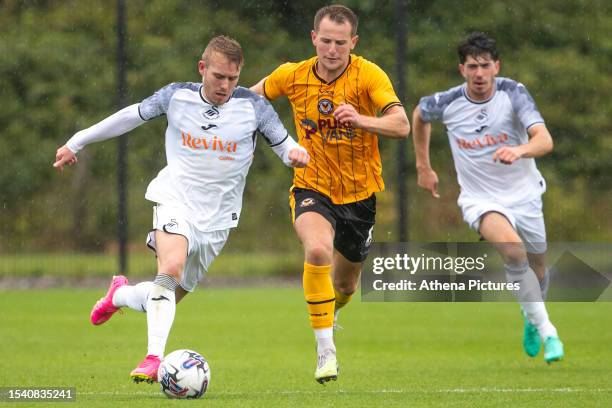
(58, 74)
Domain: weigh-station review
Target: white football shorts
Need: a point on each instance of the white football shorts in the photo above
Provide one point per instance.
(203, 246)
(526, 218)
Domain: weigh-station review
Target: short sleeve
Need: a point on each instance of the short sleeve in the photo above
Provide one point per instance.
(379, 88)
(522, 103)
(277, 82)
(432, 107)
(157, 104)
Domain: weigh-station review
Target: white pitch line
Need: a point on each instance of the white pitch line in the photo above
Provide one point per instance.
(305, 392)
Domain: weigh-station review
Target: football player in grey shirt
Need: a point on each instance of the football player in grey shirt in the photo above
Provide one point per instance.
(495, 132)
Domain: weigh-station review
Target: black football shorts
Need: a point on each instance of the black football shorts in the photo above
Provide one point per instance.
(353, 222)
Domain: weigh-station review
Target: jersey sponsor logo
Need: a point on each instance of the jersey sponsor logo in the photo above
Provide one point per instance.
(325, 106)
(203, 143)
(309, 126)
(211, 113)
(209, 126)
(482, 142)
(330, 129)
(307, 202)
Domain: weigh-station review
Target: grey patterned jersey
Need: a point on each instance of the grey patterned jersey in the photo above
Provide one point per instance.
(477, 129)
(209, 150)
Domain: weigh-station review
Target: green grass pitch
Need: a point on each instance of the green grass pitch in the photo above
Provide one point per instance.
(261, 352)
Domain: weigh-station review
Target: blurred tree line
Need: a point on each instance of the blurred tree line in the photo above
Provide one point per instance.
(57, 76)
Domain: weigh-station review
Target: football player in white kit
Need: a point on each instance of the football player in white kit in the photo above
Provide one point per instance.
(496, 131)
(210, 142)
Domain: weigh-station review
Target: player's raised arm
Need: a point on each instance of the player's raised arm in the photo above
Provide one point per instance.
(421, 131)
(117, 124)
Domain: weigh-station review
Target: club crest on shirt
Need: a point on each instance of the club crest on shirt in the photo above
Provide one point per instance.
(482, 116)
(325, 106)
(307, 202)
(211, 113)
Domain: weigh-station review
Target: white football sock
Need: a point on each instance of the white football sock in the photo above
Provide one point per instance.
(529, 297)
(135, 297)
(325, 339)
(161, 306)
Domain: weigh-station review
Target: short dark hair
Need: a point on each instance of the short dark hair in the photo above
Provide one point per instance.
(477, 44)
(227, 46)
(339, 14)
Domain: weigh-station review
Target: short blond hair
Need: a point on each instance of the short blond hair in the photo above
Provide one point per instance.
(226, 46)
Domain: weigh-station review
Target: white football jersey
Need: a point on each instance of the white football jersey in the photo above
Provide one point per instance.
(477, 129)
(209, 150)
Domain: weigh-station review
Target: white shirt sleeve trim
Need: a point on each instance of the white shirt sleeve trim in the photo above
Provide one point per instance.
(282, 149)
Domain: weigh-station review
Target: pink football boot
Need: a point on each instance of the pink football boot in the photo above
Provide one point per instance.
(104, 309)
(147, 370)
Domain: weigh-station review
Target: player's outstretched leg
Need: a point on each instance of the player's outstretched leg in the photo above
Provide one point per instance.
(104, 308)
(133, 296)
(161, 308)
(319, 294)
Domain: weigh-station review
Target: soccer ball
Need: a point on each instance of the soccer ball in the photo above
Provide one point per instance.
(184, 374)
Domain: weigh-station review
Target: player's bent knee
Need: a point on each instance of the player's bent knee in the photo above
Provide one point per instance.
(172, 268)
(318, 255)
(513, 253)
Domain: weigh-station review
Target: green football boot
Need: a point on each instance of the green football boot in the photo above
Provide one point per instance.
(531, 338)
(553, 349)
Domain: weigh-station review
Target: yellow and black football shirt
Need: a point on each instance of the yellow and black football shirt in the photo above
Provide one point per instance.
(345, 162)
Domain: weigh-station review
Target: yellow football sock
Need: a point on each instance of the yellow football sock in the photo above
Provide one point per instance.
(341, 299)
(319, 294)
